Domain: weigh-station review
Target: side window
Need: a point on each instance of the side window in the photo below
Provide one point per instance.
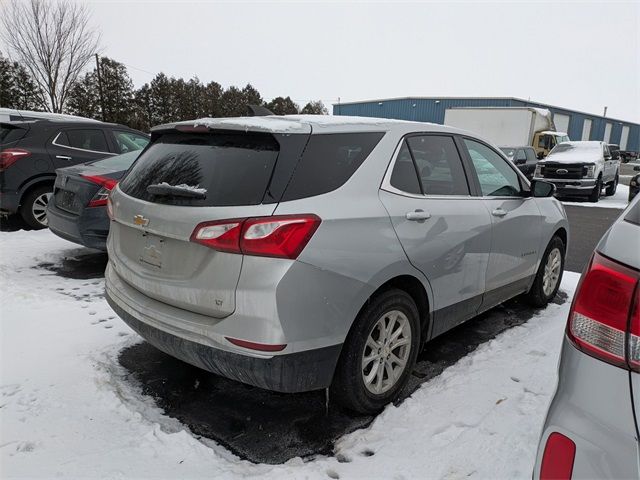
(521, 155)
(328, 161)
(94, 140)
(438, 164)
(496, 177)
(531, 155)
(129, 141)
(404, 175)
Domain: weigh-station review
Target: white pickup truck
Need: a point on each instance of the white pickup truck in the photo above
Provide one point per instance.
(580, 169)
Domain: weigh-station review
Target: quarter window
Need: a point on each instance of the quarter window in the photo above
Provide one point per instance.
(129, 141)
(94, 140)
(496, 177)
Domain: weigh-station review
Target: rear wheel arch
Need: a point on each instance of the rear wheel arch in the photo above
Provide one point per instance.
(34, 183)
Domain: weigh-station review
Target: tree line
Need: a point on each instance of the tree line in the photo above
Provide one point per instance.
(163, 99)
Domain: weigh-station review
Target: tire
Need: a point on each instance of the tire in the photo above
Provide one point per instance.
(612, 187)
(33, 209)
(540, 293)
(597, 190)
(349, 387)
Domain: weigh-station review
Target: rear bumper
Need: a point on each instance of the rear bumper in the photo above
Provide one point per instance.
(592, 406)
(201, 341)
(9, 201)
(90, 228)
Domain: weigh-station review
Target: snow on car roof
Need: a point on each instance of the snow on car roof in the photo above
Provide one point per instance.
(300, 123)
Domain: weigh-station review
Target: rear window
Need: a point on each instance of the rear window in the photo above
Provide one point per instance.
(117, 163)
(9, 134)
(233, 168)
(329, 160)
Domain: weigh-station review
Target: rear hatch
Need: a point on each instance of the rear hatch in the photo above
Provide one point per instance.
(185, 178)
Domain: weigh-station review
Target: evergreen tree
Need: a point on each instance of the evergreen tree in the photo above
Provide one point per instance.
(117, 91)
(283, 106)
(315, 108)
(84, 99)
(17, 89)
(233, 103)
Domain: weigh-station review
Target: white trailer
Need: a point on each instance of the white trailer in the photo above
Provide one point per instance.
(509, 126)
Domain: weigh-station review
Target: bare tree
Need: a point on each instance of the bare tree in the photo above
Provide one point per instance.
(53, 40)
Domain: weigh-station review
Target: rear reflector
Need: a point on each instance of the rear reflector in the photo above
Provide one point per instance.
(603, 321)
(263, 347)
(557, 460)
(11, 155)
(283, 236)
(107, 184)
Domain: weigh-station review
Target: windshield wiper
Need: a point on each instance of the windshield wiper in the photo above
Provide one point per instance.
(182, 190)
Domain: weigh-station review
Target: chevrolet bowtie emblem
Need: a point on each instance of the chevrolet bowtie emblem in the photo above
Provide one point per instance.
(140, 220)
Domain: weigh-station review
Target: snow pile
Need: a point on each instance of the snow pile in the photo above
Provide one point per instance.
(67, 410)
(165, 188)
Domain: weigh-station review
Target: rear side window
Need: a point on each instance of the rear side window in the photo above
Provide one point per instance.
(10, 134)
(404, 176)
(328, 161)
(93, 140)
(233, 168)
(438, 164)
(129, 141)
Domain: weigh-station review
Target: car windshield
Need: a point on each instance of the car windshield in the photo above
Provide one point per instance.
(119, 162)
(509, 152)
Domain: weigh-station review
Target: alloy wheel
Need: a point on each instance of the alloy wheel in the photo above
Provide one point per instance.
(39, 208)
(551, 271)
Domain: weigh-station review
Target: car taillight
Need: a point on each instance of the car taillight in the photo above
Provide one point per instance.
(283, 236)
(557, 460)
(107, 184)
(11, 155)
(604, 320)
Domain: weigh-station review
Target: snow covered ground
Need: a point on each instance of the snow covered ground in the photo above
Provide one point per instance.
(67, 410)
(619, 200)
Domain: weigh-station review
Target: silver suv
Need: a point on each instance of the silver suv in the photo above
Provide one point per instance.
(301, 252)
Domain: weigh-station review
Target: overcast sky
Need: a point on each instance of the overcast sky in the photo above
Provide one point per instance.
(581, 55)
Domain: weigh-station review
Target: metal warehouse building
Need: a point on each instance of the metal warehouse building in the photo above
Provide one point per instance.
(579, 125)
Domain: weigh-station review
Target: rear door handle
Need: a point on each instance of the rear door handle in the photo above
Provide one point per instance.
(417, 215)
(63, 157)
(499, 212)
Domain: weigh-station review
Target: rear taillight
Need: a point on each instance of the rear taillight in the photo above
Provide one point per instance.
(604, 319)
(107, 184)
(11, 155)
(557, 460)
(283, 236)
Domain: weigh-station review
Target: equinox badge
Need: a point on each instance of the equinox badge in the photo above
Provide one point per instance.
(140, 220)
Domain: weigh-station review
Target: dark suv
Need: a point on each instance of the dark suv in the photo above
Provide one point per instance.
(33, 145)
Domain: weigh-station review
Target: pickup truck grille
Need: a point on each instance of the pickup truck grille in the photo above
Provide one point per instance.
(550, 170)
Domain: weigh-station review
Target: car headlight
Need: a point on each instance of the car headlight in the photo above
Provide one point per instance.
(538, 172)
(590, 171)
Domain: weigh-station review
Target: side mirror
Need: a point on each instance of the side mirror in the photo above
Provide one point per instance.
(540, 155)
(607, 157)
(542, 189)
(636, 168)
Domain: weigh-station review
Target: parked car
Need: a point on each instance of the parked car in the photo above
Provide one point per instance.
(524, 158)
(33, 145)
(301, 252)
(78, 211)
(591, 429)
(628, 156)
(634, 185)
(580, 169)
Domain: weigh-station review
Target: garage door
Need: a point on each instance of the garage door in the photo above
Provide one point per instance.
(562, 122)
(624, 137)
(586, 130)
(607, 133)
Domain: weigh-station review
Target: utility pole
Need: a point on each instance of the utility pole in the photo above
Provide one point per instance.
(100, 88)
(605, 111)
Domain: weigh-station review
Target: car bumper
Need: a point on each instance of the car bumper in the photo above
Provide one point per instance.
(90, 228)
(202, 341)
(9, 202)
(579, 187)
(592, 406)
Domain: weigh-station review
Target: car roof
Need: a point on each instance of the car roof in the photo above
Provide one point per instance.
(308, 124)
(12, 114)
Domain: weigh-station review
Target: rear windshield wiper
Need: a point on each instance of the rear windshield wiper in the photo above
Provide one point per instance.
(182, 190)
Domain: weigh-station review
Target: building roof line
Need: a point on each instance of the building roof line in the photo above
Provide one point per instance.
(530, 102)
